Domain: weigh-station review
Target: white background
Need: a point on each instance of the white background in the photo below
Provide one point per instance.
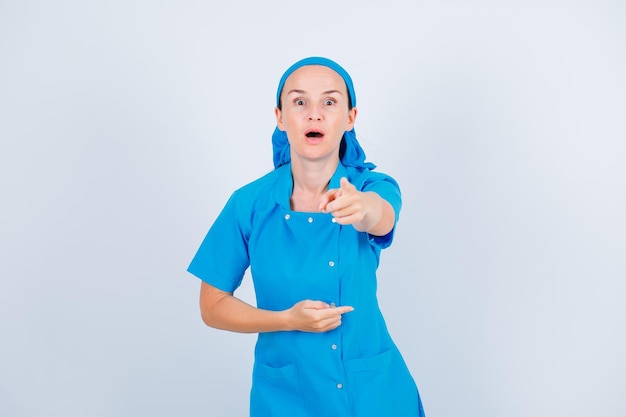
(125, 126)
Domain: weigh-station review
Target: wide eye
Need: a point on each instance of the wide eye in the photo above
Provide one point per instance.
(299, 102)
(329, 102)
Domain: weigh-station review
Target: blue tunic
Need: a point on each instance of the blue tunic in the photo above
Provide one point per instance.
(353, 370)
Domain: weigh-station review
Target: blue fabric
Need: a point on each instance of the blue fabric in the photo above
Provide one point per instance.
(316, 60)
(353, 370)
(351, 153)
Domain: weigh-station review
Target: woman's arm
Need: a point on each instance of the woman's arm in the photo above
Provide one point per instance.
(221, 310)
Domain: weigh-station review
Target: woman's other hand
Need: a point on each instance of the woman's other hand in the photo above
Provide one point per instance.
(315, 316)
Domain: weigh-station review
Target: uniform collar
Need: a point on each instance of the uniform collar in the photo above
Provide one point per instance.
(284, 184)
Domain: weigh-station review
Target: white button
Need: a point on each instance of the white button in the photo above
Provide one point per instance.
(340, 385)
(287, 217)
(333, 346)
(331, 264)
(310, 219)
(334, 220)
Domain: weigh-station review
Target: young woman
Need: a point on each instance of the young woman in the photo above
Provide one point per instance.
(311, 232)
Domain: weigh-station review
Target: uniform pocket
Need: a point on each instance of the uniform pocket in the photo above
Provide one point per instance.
(373, 363)
(276, 392)
(382, 385)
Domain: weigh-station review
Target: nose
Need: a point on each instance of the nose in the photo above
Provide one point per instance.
(315, 113)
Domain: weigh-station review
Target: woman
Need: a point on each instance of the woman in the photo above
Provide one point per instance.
(311, 232)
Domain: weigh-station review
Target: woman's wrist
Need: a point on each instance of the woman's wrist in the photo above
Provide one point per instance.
(282, 320)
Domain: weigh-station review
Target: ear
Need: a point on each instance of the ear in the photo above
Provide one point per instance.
(279, 119)
(351, 118)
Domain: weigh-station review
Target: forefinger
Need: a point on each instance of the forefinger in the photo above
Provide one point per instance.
(342, 309)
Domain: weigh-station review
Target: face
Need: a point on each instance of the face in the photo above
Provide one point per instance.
(315, 112)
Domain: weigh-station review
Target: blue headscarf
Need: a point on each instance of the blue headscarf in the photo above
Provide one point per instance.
(350, 151)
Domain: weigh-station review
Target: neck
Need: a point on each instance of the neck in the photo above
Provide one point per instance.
(310, 181)
(312, 177)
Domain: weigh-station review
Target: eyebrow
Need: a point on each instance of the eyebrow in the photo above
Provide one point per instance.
(304, 92)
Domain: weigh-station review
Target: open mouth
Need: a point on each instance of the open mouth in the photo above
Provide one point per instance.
(314, 134)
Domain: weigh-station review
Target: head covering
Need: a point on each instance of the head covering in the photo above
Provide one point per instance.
(350, 152)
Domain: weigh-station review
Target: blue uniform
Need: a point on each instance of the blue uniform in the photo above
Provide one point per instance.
(353, 370)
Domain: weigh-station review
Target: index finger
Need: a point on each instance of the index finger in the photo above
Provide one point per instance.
(343, 309)
(334, 311)
(345, 183)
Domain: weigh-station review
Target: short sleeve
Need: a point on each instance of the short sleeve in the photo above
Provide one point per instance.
(389, 190)
(222, 258)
